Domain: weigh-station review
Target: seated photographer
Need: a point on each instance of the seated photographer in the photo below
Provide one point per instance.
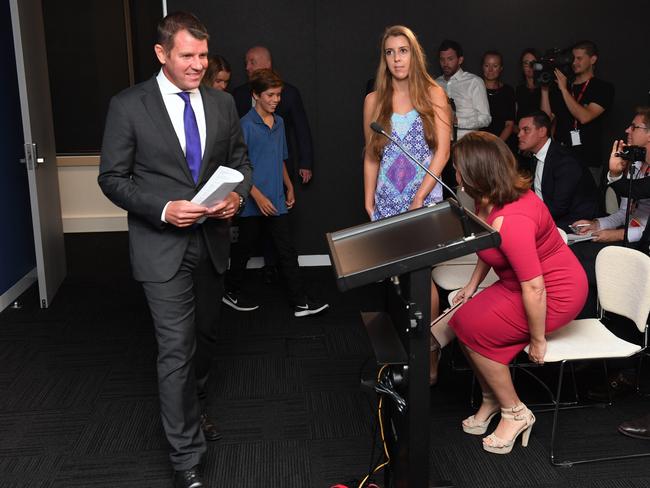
(560, 180)
(640, 184)
(610, 229)
(578, 107)
(622, 379)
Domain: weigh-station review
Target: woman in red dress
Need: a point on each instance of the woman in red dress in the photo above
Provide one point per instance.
(541, 286)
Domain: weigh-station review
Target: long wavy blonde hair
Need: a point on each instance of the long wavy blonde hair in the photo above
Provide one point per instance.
(419, 82)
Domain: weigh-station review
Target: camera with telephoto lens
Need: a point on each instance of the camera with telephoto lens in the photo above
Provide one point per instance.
(553, 59)
(632, 153)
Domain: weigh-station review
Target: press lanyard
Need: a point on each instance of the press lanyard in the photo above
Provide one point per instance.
(578, 98)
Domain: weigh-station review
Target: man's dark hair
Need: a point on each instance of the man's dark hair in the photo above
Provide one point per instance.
(589, 46)
(178, 21)
(449, 44)
(263, 79)
(540, 119)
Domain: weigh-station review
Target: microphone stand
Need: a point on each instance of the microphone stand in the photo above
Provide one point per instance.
(452, 103)
(464, 219)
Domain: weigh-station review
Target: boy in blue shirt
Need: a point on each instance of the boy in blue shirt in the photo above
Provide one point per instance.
(268, 208)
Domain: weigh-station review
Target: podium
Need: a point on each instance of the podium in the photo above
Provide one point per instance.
(404, 248)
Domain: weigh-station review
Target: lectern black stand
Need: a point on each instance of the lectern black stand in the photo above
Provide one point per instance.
(405, 247)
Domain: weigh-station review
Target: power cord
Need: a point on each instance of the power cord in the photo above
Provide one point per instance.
(381, 422)
(385, 386)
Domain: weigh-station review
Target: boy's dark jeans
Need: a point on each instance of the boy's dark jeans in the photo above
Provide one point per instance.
(277, 227)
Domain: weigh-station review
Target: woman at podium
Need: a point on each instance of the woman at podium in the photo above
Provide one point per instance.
(415, 110)
(541, 286)
(409, 104)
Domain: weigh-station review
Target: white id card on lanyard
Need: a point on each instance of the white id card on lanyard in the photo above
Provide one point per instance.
(575, 133)
(575, 137)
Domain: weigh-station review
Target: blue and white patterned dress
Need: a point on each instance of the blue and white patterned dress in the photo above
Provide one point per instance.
(399, 178)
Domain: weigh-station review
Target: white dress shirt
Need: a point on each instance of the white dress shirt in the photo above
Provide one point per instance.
(540, 156)
(175, 107)
(470, 98)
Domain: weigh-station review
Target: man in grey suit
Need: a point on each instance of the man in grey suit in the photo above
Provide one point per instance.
(163, 140)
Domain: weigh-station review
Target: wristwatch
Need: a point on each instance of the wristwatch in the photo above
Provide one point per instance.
(242, 200)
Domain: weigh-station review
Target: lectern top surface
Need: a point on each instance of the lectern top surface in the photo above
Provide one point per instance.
(397, 239)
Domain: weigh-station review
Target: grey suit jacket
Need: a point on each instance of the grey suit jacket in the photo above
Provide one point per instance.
(143, 167)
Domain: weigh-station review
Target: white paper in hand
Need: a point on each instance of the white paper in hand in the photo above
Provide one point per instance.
(573, 238)
(220, 184)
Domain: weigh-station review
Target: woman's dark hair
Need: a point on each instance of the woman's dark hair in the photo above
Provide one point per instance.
(178, 21)
(216, 63)
(263, 79)
(488, 169)
(528, 50)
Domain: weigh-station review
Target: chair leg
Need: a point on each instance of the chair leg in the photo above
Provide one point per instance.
(610, 400)
(471, 393)
(556, 413)
(575, 384)
(513, 369)
(568, 464)
(639, 371)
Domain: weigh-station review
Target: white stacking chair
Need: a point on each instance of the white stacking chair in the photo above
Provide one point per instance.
(516, 365)
(623, 279)
(454, 276)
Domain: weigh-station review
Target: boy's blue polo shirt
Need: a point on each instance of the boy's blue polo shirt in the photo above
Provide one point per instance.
(267, 150)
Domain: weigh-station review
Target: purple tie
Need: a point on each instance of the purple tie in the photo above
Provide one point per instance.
(192, 138)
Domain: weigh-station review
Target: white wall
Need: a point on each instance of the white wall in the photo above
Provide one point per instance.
(84, 208)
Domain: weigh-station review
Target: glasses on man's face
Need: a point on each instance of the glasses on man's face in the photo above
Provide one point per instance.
(635, 127)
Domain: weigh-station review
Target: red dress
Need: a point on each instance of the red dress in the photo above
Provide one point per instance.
(494, 322)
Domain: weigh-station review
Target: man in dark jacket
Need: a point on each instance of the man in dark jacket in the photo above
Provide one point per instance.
(560, 180)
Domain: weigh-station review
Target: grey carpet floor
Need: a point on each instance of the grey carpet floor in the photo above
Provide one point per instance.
(78, 397)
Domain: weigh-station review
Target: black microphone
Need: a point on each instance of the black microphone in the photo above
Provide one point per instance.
(463, 216)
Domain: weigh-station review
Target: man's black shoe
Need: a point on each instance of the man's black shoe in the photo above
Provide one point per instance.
(189, 478)
(209, 428)
(238, 303)
(637, 428)
(620, 386)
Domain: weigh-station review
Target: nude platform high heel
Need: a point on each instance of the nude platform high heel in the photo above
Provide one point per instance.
(476, 427)
(519, 413)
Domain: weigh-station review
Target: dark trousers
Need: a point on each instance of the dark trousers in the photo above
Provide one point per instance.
(277, 227)
(586, 253)
(185, 312)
